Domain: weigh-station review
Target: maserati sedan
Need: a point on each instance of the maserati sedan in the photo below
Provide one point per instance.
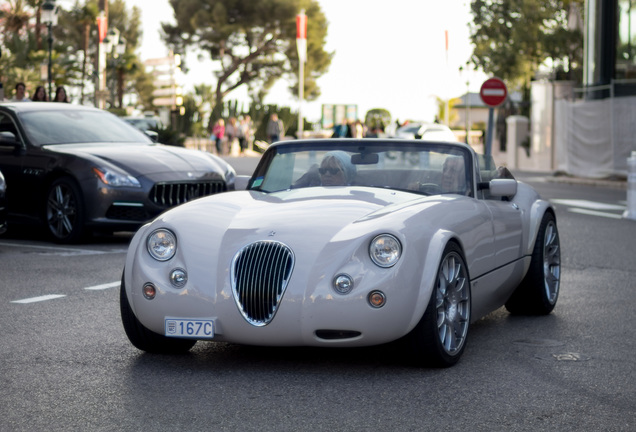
(345, 243)
(73, 170)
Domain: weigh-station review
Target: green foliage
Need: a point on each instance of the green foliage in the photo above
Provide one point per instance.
(252, 42)
(377, 118)
(512, 38)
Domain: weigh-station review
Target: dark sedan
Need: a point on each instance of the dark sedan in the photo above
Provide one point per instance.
(76, 169)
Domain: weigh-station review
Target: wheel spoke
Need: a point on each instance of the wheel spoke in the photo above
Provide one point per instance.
(452, 304)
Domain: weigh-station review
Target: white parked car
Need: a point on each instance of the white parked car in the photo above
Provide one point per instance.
(335, 244)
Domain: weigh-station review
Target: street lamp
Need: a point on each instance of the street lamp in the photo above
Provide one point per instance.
(49, 17)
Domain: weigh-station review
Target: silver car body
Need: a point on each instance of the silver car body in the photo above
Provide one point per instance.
(328, 231)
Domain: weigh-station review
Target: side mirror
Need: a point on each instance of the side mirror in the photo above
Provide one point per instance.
(8, 139)
(502, 187)
(154, 136)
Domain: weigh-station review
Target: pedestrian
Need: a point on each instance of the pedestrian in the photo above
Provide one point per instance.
(357, 129)
(231, 132)
(20, 90)
(245, 133)
(218, 131)
(275, 128)
(60, 95)
(40, 94)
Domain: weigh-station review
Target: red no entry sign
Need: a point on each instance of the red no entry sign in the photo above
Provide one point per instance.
(493, 92)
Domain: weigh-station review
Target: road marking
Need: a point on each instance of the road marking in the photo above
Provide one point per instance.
(103, 286)
(595, 213)
(57, 250)
(593, 205)
(39, 299)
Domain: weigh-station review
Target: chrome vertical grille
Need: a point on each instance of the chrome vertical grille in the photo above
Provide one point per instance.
(170, 194)
(260, 273)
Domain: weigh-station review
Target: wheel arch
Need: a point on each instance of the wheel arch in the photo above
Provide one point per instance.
(432, 259)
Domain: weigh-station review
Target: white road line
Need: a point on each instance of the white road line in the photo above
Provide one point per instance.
(593, 205)
(596, 213)
(39, 299)
(103, 286)
(57, 250)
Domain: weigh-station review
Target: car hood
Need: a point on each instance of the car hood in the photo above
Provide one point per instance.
(145, 160)
(298, 216)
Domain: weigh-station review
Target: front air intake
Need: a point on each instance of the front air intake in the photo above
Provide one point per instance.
(260, 273)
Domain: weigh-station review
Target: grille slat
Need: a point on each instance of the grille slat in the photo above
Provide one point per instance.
(260, 273)
(170, 194)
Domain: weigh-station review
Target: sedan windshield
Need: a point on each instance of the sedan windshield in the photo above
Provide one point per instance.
(429, 168)
(69, 127)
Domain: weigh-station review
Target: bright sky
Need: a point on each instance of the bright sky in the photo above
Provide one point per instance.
(388, 54)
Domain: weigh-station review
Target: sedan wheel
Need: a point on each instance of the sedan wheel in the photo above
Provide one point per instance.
(440, 337)
(537, 294)
(64, 211)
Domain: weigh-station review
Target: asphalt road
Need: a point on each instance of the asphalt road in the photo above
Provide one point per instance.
(66, 364)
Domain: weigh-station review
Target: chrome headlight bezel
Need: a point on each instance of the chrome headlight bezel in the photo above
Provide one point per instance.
(385, 250)
(161, 244)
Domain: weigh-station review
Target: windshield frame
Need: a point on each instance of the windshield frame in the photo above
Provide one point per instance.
(364, 147)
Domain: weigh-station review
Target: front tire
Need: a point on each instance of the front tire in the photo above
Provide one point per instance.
(64, 211)
(538, 292)
(144, 339)
(439, 339)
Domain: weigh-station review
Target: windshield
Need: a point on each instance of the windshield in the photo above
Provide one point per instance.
(427, 168)
(69, 127)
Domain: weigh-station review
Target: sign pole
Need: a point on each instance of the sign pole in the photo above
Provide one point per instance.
(493, 93)
(301, 43)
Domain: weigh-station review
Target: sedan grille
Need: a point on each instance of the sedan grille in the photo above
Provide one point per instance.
(170, 194)
(260, 273)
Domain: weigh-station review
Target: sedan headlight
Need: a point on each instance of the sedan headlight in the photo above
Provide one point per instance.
(116, 179)
(162, 244)
(385, 250)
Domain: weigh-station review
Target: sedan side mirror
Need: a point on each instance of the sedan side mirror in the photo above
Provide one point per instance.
(8, 139)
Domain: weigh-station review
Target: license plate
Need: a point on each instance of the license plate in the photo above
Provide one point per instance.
(189, 328)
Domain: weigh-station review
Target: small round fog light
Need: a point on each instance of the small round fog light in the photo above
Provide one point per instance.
(343, 284)
(377, 299)
(149, 291)
(178, 277)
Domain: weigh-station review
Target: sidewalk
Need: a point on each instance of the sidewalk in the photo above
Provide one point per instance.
(614, 183)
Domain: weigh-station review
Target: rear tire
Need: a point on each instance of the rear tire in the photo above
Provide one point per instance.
(439, 339)
(538, 292)
(147, 340)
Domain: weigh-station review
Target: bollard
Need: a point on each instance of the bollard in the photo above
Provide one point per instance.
(630, 213)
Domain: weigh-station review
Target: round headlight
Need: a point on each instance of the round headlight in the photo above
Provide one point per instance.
(162, 244)
(385, 250)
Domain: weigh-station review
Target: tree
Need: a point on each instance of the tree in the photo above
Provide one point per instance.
(377, 118)
(253, 42)
(513, 38)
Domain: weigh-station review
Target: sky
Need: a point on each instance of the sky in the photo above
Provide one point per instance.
(389, 54)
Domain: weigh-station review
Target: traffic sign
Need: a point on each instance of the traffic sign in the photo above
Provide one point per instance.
(493, 92)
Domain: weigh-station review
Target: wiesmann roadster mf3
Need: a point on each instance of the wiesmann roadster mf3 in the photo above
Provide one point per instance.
(345, 243)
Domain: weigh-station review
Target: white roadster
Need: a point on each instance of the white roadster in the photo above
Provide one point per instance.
(345, 242)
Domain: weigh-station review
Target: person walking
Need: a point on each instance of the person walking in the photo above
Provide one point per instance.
(219, 134)
(231, 132)
(40, 95)
(244, 134)
(275, 128)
